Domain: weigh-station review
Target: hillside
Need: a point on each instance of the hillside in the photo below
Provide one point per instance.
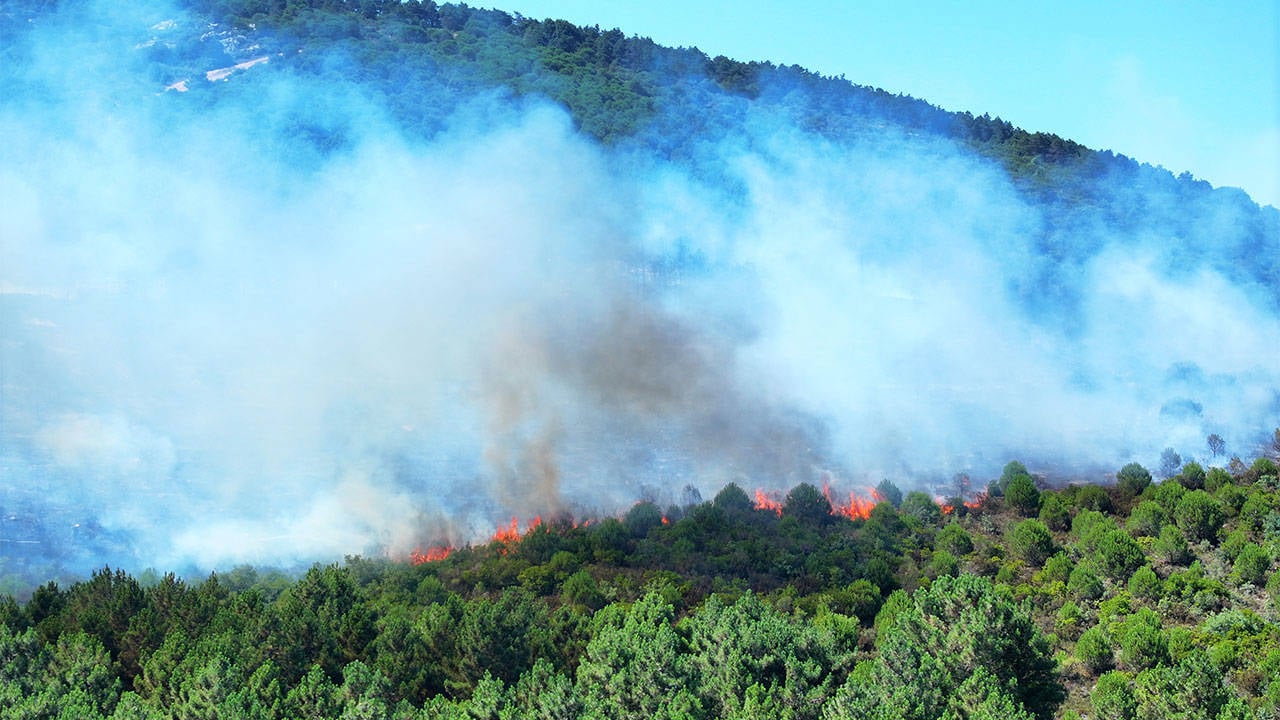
(1137, 601)
(289, 281)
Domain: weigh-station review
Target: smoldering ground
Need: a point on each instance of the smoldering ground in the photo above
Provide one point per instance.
(222, 344)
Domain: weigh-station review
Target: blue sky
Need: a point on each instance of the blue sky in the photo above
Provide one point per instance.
(1191, 86)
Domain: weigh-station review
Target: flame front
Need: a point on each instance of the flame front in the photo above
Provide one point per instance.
(433, 554)
(768, 501)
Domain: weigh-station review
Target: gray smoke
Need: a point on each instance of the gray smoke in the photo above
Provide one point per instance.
(221, 346)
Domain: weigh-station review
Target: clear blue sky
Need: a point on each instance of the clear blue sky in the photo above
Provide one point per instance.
(1189, 85)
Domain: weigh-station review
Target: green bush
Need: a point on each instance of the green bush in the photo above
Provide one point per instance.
(1147, 519)
(1031, 542)
(1145, 584)
(1119, 555)
(1171, 546)
(954, 539)
(1022, 495)
(1199, 516)
(1132, 480)
(1084, 583)
(1112, 698)
(1094, 650)
(1053, 512)
(1252, 564)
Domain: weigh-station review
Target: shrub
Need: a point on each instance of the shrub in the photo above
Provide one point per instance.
(1119, 555)
(1030, 541)
(1022, 496)
(1145, 584)
(1094, 650)
(1171, 546)
(1112, 698)
(1147, 519)
(1053, 512)
(1132, 480)
(1093, 497)
(1252, 564)
(1199, 516)
(954, 539)
(1084, 583)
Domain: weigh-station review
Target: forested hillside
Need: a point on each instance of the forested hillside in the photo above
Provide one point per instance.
(1138, 600)
(295, 280)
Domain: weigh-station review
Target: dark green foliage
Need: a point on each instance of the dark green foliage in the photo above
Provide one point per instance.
(1167, 494)
(1252, 565)
(807, 504)
(1192, 476)
(1147, 519)
(888, 492)
(954, 539)
(1144, 584)
(1030, 542)
(1119, 555)
(1084, 583)
(1021, 495)
(1053, 512)
(636, 665)
(1171, 546)
(1191, 690)
(621, 619)
(1132, 480)
(1199, 516)
(922, 507)
(1094, 650)
(1142, 644)
(1094, 497)
(1112, 697)
(937, 641)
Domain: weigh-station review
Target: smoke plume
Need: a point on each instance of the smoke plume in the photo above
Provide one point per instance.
(221, 344)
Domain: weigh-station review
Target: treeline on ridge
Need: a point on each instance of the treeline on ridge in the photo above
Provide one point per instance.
(1131, 601)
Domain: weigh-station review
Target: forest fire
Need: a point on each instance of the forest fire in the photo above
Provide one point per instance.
(511, 533)
(768, 501)
(858, 507)
(433, 554)
(975, 503)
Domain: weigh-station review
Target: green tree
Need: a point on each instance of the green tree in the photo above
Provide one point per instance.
(1095, 651)
(1132, 480)
(1147, 519)
(1171, 546)
(1145, 584)
(939, 639)
(1112, 697)
(1119, 555)
(1142, 644)
(954, 539)
(1252, 565)
(888, 492)
(636, 666)
(1053, 512)
(1084, 583)
(807, 504)
(1199, 515)
(732, 647)
(1021, 495)
(1031, 542)
(919, 505)
(1191, 690)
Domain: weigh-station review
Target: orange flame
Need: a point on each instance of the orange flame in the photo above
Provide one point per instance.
(768, 501)
(511, 533)
(433, 554)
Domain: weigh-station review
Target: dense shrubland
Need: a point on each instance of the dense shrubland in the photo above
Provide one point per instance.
(1137, 600)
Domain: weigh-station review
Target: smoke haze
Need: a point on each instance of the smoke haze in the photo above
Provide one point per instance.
(221, 344)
